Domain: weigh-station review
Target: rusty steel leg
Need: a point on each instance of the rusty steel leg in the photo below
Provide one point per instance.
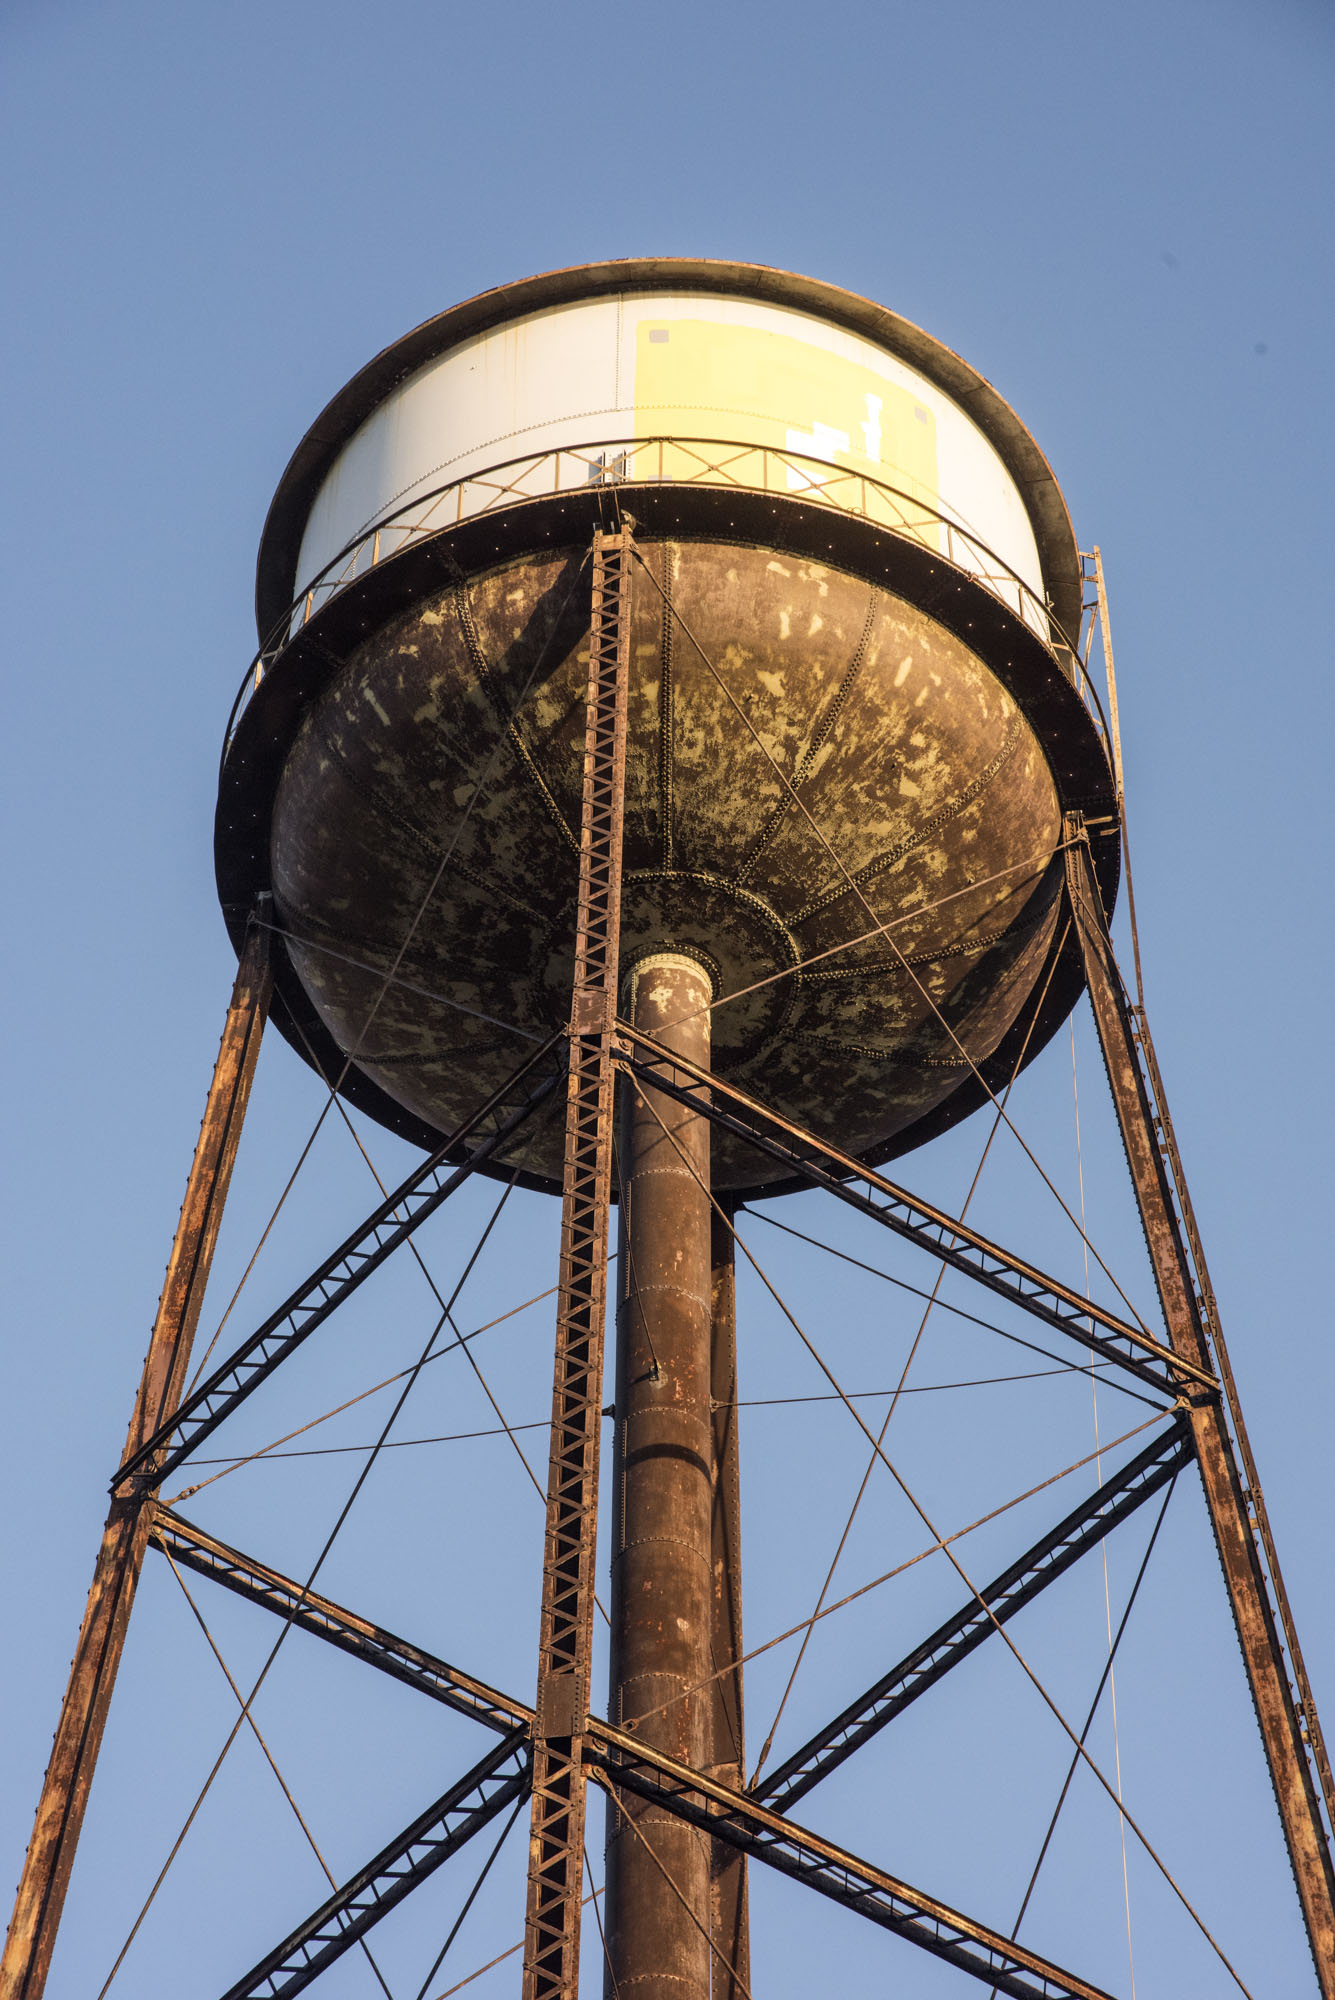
(556, 1835)
(1290, 1734)
(50, 1857)
(658, 1867)
(727, 1760)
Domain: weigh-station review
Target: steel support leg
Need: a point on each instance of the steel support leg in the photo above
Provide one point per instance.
(658, 1869)
(728, 1912)
(1288, 1726)
(556, 1843)
(50, 1857)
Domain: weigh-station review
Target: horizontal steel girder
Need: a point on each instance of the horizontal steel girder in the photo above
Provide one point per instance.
(384, 1230)
(733, 1816)
(945, 1238)
(620, 1762)
(1083, 1528)
(193, 1549)
(501, 1777)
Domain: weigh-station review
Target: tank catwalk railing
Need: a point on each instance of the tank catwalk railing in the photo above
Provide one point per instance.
(664, 461)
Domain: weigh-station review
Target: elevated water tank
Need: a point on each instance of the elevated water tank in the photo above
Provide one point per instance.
(855, 715)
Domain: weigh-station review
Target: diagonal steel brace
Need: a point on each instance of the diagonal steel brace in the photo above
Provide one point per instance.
(1050, 1557)
(394, 1873)
(814, 1160)
(195, 1550)
(385, 1229)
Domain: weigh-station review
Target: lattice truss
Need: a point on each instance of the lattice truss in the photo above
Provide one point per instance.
(1169, 1373)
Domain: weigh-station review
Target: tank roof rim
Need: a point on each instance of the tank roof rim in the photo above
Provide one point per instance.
(341, 417)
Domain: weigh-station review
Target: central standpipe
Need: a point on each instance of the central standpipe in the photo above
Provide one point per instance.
(658, 1867)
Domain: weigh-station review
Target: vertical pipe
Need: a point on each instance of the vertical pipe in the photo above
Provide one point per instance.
(50, 1857)
(727, 1758)
(658, 1875)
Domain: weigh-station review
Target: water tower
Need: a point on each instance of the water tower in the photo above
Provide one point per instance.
(671, 775)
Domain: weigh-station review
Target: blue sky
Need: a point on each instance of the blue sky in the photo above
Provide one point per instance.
(214, 216)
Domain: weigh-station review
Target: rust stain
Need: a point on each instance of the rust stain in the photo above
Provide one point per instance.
(916, 775)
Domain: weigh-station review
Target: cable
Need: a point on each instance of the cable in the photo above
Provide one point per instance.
(469, 1356)
(391, 975)
(264, 1451)
(453, 1437)
(471, 1897)
(402, 985)
(1107, 1594)
(507, 1427)
(955, 1564)
(918, 1337)
(944, 1305)
(854, 1396)
(1089, 1719)
(888, 1576)
(602, 1934)
(269, 1758)
(920, 910)
(856, 891)
(501, 1957)
(291, 1614)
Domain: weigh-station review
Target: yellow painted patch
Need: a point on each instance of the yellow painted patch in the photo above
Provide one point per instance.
(707, 379)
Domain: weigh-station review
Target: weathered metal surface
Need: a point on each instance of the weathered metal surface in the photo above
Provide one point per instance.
(658, 1873)
(565, 1646)
(599, 377)
(920, 772)
(1290, 1747)
(497, 1780)
(624, 1765)
(50, 1856)
(483, 1138)
(729, 1915)
(297, 1604)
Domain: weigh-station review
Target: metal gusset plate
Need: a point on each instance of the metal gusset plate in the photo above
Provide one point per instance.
(1083, 1528)
(500, 1778)
(206, 1556)
(385, 1229)
(767, 1836)
(947, 1239)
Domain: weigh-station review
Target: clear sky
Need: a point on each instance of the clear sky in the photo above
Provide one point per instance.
(213, 216)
